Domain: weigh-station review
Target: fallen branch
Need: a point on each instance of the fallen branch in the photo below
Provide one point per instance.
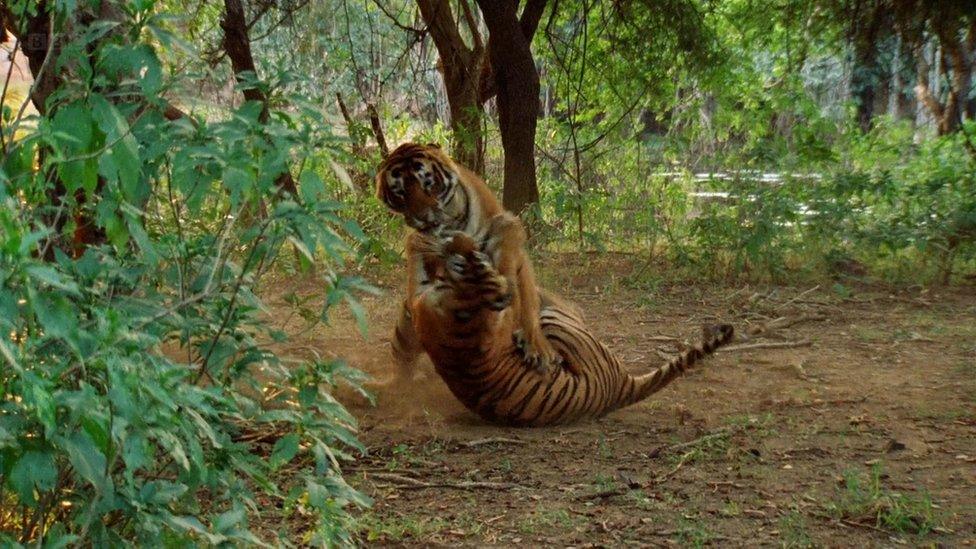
(782, 323)
(799, 297)
(669, 533)
(681, 463)
(721, 433)
(856, 524)
(490, 440)
(603, 494)
(799, 320)
(408, 483)
(767, 345)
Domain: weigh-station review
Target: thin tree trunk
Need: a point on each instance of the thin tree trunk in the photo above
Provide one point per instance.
(237, 45)
(460, 67)
(864, 75)
(374, 121)
(517, 82)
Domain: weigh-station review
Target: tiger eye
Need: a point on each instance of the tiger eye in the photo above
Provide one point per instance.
(418, 166)
(395, 172)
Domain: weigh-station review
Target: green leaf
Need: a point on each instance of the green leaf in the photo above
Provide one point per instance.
(354, 230)
(230, 520)
(56, 315)
(311, 187)
(46, 411)
(50, 276)
(57, 537)
(238, 182)
(73, 129)
(29, 241)
(85, 458)
(183, 524)
(359, 313)
(161, 492)
(284, 450)
(34, 470)
(121, 161)
(141, 238)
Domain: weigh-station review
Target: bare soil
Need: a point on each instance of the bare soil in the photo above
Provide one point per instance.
(859, 431)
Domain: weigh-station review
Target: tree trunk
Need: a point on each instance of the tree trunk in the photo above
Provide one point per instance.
(467, 114)
(529, 23)
(237, 45)
(517, 83)
(864, 75)
(460, 67)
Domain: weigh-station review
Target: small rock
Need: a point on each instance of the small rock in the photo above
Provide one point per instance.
(894, 446)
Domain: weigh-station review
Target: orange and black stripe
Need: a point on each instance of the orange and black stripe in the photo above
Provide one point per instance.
(487, 373)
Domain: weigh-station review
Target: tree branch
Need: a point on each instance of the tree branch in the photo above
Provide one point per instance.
(238, 48)
(440, 23)
(396, 22)
(374, 120)
(477, 42)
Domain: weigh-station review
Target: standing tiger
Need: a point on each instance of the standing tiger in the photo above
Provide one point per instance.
(463, 322)
(434, 194)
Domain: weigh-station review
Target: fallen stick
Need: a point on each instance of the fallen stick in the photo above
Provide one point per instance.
(677, 467)
(602, 494)
(721, 433)
(782, 323)
(490, 440)
(856, 524)
(408, 483)
(766, 345)
(801, 296)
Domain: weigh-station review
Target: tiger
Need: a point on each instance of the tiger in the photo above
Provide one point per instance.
(461, 317)
(433, 194)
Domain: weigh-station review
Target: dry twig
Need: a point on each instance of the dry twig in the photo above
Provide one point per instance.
(721, 433)
(490, 440)
(799, 297)
(767, 345)
(408, 483)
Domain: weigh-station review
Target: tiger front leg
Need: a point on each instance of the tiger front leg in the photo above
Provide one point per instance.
(537, 351)
(476, 285)
(465, 282)
(505, 245)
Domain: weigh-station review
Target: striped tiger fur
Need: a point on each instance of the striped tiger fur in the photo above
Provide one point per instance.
(433, 193)
(461, 319)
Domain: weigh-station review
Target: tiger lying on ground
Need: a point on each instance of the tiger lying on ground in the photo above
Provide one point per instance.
(463, 322)
(433, 193)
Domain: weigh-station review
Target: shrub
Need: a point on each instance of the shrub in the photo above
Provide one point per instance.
(138, 376)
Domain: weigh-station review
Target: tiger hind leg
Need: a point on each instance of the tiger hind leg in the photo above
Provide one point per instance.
(405, 345)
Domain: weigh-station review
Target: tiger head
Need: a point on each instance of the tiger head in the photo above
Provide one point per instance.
(418, 181)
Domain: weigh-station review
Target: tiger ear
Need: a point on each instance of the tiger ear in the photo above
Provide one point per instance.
(434, 145)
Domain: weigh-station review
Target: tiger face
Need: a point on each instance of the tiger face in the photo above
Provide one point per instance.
(418, 181)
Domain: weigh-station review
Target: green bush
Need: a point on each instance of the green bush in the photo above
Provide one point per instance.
(138, 377)
(905, 211)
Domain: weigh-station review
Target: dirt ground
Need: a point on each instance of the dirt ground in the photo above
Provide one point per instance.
(853, 424)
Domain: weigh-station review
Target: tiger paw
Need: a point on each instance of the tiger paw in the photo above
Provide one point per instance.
(496, 290)
(541, 358)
